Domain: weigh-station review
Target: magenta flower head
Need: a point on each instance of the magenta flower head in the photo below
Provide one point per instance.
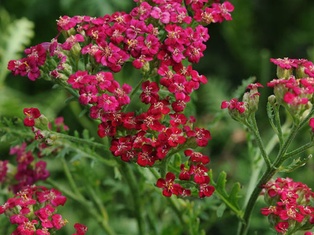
(3, 170)
(240, 110)
(168, 185)
(31, 114)
(81, 229)
(289, 205)
(285, 66)
(311, 123)
(294, 89)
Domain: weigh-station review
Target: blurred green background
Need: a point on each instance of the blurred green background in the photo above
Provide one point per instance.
(260, 30)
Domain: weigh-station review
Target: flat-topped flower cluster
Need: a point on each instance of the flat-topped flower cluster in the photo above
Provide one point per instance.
(290, 205)
(34, 211)
(162, 38)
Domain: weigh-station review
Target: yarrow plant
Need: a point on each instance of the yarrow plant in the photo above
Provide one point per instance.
(291, 207)
(149, 124)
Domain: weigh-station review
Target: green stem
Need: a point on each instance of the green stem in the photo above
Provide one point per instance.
(79, 140)
(257, 165)
(252, 126)
(173, 202)
(244, 224)
(138, 206)
(85, 122)
(81, 151)
(299, 150)
(86, 204)
(70, 179)
(78, 196)
(65, 190)
(268, 174)
(278, 125)
(102, 209)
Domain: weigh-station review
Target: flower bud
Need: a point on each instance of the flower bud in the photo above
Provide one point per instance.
(41, 123)
(284, 73)
(272, 99)
(300, 72)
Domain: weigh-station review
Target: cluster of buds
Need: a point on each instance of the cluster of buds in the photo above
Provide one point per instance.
(29, 168)
(290, 205)
(294, 86)
(34, 211)
(161, 39)
(241, 110)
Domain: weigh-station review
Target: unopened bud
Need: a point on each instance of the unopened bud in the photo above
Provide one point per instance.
(41, 123)
(272, 99)
(300, 72)
(284, 73)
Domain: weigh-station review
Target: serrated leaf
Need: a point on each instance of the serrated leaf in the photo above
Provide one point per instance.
(85, 134)
(230, 200)
(64, 152)
(271, 115)
(13, 131)
(295, 164)
(220, 210)
(117, 173)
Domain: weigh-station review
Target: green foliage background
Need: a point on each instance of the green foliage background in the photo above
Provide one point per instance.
(260, 29)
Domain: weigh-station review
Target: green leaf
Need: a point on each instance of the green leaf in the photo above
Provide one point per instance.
(271, 116)
(220, 210)
(13, 131)
(230, 200)
(16, 36)
(295, 164)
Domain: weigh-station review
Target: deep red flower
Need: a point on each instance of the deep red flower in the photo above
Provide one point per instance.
(282, 227)
(3, 170)
(173, 136)
(200, 173)
(206, 190)
(57, 221)
(81, 229)
(53, 196)
(31, 115)
(285, 63)
(197, 156)
(147, 156)
(150, 92)
(311, 123)
(185, 173)
(168, 185)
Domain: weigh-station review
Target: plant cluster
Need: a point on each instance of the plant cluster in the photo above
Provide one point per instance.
(149, 124)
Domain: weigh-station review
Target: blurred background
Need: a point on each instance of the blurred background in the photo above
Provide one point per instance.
(237, 50)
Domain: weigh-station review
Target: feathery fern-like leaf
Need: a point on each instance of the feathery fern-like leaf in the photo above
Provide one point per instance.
(230, 199)
(15, 36)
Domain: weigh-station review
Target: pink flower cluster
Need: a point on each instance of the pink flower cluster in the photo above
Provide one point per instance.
(3, 170)
(305, 66)
(249, 104)
(295, 90)
(162, 38)
(31, 115)
(29, 66)
(29, 168)
(33, 211)
(290, 205)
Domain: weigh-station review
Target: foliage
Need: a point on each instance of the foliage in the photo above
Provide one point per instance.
(123, 197)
